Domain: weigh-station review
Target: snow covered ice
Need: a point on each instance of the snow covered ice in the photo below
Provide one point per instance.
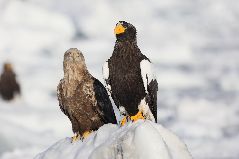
(139, 140)
(192, 43)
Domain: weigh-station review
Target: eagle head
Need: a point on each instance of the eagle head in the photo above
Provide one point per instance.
(74, 64)
(7, 67)
(125, 31)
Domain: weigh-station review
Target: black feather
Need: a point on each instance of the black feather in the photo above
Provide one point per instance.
(151, 97)
(125, 79)
(104, 103)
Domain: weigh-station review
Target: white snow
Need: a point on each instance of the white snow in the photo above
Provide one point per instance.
(139, 140)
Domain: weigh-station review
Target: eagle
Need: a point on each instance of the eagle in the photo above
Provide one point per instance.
(9, 86)
(129, 77)
(83, 98)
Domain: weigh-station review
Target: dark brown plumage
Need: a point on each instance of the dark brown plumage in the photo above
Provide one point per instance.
(129, 78)
(82, 97)
(125, 75)
(9, 86)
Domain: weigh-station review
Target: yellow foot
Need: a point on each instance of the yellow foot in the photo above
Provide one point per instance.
(123, 121)
(138, 116)
(86, 134)
(75, 138)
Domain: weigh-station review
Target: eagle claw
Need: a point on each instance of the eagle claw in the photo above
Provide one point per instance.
(138, 116)
(134, 118)
(85, 135)
(123, 121)
(75, 138)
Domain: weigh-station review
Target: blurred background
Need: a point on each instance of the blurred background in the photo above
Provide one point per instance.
(194, 45)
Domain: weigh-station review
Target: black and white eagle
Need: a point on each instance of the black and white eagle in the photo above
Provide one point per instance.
(129, 77)
(83, 98)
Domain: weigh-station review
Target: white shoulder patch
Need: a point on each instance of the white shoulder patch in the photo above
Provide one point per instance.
(106, 73)
(146, 73)
(106, 70)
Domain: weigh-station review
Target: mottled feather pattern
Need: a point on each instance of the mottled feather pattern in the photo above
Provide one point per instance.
(60, 96)
(78, 97)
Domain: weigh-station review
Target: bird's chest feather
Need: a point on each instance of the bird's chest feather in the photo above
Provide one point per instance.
(86, 92)
(82, 98)
(125, 67)
(125, 73)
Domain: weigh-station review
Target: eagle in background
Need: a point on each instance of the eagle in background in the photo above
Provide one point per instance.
(129, 77)
(83, 98)
(9, 86)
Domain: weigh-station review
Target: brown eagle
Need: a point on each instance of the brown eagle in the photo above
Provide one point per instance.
(82, 97)
(129, 77)
(9, 86)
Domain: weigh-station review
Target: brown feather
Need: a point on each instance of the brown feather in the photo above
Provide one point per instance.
(76, 95)
(9, 86)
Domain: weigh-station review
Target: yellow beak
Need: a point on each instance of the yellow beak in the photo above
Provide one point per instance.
(119, 29)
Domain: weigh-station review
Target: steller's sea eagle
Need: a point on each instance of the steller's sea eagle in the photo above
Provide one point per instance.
(129, 77)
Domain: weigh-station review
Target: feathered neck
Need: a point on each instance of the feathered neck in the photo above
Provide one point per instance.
(73, 76)
(127, 43)
(126, 48)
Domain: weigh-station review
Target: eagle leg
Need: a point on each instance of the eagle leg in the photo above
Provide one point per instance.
(124, 120)
(138, 116)
(75, 138)
(86, 134)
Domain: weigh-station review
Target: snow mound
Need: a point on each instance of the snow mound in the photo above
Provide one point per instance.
(139, 140)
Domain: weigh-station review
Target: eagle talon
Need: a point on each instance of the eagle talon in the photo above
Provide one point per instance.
(85, 135)
(124, 120)
(138, 116)
(75, 138)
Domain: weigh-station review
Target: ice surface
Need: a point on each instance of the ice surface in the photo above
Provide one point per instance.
(139, 140)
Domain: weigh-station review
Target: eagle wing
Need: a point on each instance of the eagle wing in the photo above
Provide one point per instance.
(60, 98)
(106, 76)
(151, 97)
(105, 107)
(150, 85)
(17, 87)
